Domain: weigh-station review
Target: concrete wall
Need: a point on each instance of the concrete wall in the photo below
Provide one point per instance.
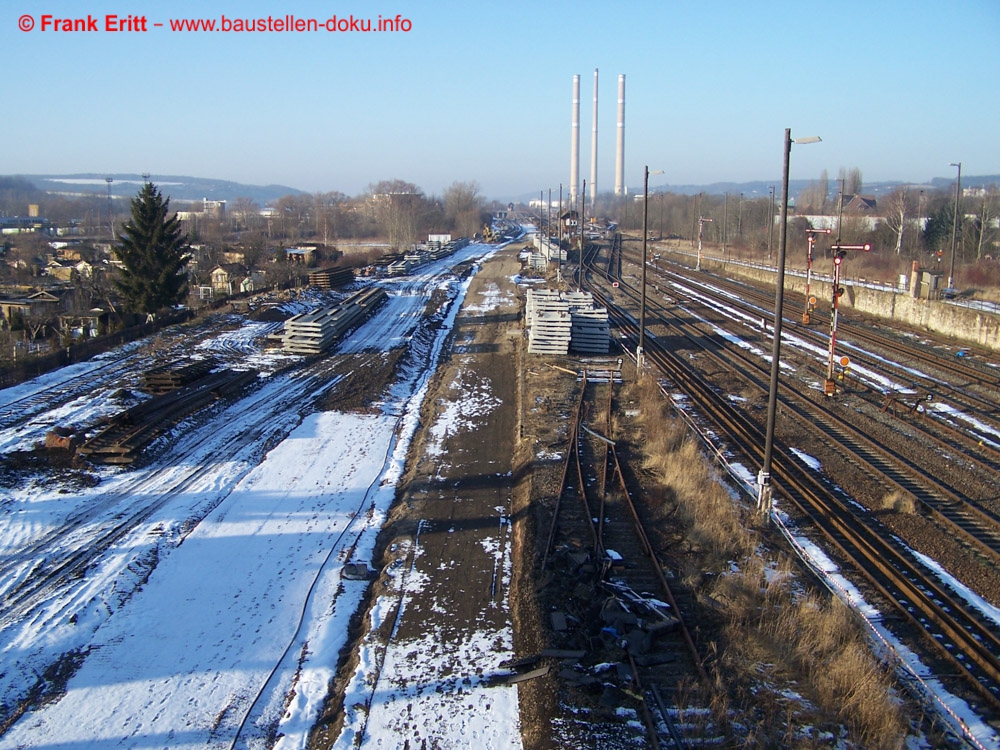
(964, 324)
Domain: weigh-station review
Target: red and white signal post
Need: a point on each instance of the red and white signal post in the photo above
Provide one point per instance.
(839, 251)
(810, 301)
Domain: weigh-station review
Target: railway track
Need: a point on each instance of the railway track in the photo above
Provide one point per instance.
(957, 513)
(954, 631)
(926, 375)
(620, 599)
(949, 504)
(38, 570)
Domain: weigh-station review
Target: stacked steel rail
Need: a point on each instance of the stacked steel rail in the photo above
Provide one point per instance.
(124, 437)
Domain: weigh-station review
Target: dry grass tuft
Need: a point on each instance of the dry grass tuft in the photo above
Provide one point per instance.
(775, 641)
(900, 502)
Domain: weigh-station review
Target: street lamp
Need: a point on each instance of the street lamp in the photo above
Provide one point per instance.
(764, 477)
(701, 224)
(639, 352)
(954, 225)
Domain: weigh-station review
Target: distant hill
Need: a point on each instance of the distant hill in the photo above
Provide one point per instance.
(179, 188)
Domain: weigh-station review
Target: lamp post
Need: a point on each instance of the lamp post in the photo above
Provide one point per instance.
(764, 477)
(811, 239)
(701, 224)
(954, 225)
(640, 350)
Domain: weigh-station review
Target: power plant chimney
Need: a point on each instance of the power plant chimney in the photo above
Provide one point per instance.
(574, 149)
(593, 149)
(620, 152)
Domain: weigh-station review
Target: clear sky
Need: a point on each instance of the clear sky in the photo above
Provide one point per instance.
(482, 91)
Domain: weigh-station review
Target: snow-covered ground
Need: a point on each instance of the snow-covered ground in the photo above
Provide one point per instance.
(215, 617)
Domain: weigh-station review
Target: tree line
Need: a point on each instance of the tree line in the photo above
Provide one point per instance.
(912, 223)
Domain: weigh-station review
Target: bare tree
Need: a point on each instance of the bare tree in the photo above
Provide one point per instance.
(397, 206)
(463, 207)
(246, 211)
(895, 214)
(853, 182)
(984, 220)
(326, 214)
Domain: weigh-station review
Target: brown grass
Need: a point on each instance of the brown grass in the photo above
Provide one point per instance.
(901, 502)
(777, 641)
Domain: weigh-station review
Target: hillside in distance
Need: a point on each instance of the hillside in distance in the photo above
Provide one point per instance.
(177, 187)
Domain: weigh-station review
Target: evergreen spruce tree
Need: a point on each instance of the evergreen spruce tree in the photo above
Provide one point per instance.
(153, 252)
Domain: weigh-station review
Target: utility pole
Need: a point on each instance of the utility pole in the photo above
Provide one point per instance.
(954, 225)
(701, 224)
(111, 210)
(725, 223)
(770, 224)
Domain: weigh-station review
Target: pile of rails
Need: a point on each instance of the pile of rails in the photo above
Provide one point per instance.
(315, 332)
(331, 278)
(123, 437)
(560, 321)
(167, 378)
(400, 264)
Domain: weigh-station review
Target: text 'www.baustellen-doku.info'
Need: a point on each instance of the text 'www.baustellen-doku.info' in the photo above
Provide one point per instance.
(133, 23)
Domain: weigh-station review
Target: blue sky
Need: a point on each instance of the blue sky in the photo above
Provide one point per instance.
(482, 92)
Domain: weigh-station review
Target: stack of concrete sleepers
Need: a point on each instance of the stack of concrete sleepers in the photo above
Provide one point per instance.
(548, 321)
(314, 332)
(328, 278)
(559, 321)
(590, 331)
(537, 262)
(550, 332)
(540, 300)
(548, 247)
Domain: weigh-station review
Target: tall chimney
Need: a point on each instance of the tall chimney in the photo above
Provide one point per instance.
(620, 152)
(574, 148)
(593, 149)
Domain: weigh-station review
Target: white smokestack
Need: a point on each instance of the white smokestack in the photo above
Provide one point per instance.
(593, 149)
(574, 148)
(620, 152)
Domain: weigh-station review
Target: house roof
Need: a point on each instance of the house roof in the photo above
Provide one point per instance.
(862, 203)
